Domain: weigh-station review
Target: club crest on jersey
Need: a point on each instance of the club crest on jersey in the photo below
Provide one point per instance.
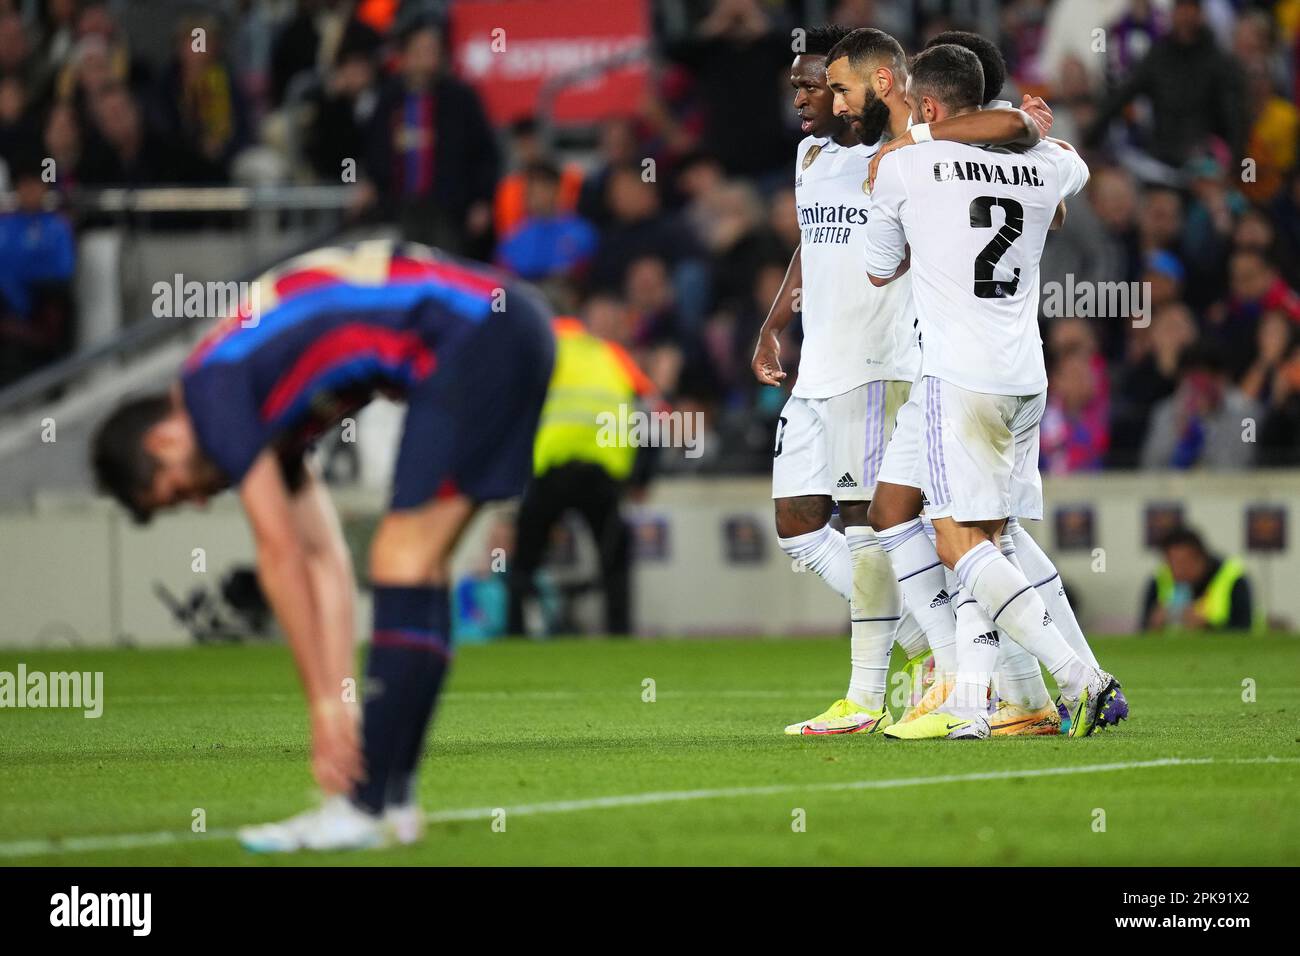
(813, 152)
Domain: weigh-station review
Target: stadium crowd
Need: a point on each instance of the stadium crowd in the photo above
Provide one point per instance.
(1185, 109)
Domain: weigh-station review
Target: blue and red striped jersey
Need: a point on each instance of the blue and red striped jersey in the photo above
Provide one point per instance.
(317, 337)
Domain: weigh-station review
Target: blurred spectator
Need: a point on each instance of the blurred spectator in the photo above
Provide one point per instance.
(1205, 422)
(433, 155)
(62, 142)
(547, 242)
(1194, 590)
(342, 108)
(1274, 131)
(19, 125)
(1213, 204)
(1148, 376)
(737, 56)
(617, 150)
(124, 151)
(37, 257)
(297, 46)
(1131, 35)
(1279, 436)
(734, 233)
(58, 31)
(1195, 90)
(638, 227)
(1255, 287)
(526, 150)
(1075, 431)
(98, 55)
(1276, 341)
(202, 113)
(16, 58)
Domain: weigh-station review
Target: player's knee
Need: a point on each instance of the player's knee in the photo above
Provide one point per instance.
(880, 515)
(950, 551)
(855, 513)
(398, 556)
(803, 515)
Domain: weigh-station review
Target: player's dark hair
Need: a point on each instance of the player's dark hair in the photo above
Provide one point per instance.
(868, 45)
(122, 467)
(948, 74)
(819, 41)
(1185, 537)
(990, 57)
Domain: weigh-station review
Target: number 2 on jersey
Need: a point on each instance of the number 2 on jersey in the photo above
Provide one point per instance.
(981, 217)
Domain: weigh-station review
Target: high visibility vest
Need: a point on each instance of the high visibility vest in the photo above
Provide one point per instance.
(592, 395)
(1215, 605)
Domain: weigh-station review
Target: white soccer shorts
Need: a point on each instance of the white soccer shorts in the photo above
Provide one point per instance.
(980, 453)
(835, 446)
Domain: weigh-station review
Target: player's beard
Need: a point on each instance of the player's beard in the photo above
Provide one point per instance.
(871, 122)
(207, 477)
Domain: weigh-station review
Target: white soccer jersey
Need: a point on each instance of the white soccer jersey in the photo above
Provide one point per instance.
(976, 220)
(853, 332)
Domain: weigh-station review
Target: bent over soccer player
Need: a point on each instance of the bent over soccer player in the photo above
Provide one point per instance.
(471, 354)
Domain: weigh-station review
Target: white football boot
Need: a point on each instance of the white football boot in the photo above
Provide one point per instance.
(336, 824)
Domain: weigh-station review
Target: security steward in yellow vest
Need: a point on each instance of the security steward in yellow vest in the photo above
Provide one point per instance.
(1194, 590)
(582, 461)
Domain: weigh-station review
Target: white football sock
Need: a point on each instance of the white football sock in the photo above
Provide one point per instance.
(910, 636)
(1019, 677)
(874, 613)
(826, 552)
(977, 655)
(920, 574)
(1015, 607)
(1042, 574)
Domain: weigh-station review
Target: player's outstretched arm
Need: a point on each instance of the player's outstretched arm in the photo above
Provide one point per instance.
(284, 573)
(767, 352)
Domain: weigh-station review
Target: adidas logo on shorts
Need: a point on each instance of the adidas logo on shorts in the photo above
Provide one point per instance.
(940, 599)
(991, 639)
(846, 481)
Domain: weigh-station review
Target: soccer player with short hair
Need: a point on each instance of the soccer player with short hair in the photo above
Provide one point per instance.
(969, 225)
(857, 361)
(471, 354)
(1023, 704)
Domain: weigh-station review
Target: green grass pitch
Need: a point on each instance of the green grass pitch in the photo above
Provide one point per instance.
(701, 775)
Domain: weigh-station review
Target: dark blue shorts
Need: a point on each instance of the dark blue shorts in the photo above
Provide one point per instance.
(470, 426)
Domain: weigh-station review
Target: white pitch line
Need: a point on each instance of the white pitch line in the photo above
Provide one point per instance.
(132, 841)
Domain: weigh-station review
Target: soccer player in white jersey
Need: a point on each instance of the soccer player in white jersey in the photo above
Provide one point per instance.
(856, 366)
(1023, 704)
(969, 225)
